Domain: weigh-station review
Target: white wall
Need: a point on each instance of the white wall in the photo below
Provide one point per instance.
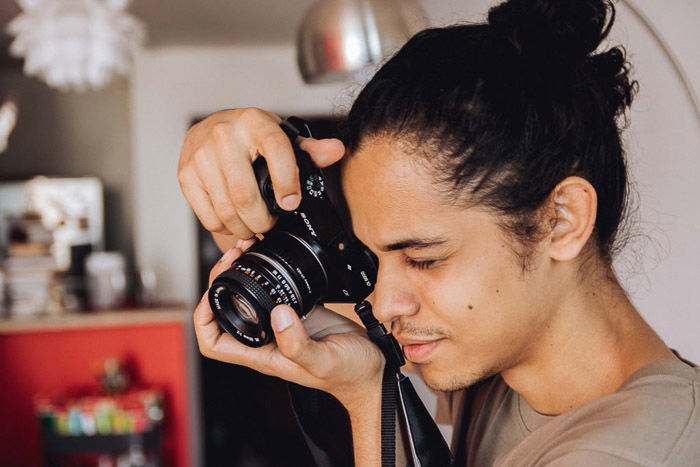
(170, 86)
(661, 266)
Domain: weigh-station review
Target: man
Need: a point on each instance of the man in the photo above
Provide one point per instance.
(595, 351)
(485, 170)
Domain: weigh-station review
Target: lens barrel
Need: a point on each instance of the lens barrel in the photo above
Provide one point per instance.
(280, 269)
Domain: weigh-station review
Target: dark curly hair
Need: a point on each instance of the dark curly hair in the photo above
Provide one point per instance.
(505, 110)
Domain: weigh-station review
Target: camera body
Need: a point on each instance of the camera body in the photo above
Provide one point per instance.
(307, 258)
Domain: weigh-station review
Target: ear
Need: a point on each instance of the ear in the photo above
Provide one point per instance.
(574, 204)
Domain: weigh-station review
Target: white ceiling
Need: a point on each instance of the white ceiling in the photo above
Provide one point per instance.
(211, 22)
(198, 22)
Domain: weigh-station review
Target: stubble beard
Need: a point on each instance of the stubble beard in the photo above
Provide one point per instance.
(457, 382)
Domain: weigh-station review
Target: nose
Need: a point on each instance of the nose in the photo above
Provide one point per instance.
(392, 297)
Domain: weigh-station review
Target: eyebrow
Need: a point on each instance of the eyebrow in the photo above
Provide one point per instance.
(416, 243)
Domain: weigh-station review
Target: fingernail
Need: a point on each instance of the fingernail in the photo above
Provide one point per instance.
(281, 318)
(239, 244)
(290, 201)
(228, 256)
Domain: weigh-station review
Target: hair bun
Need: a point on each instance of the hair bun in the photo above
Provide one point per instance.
(559, 31)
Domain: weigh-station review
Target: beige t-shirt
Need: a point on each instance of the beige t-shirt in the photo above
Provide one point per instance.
(652, 420)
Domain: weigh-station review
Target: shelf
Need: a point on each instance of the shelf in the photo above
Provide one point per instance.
(55, 444)
(98, 319)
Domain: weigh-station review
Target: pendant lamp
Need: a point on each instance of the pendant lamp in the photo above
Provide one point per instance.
(349, 39)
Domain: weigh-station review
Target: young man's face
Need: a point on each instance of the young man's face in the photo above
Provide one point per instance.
(473, 312)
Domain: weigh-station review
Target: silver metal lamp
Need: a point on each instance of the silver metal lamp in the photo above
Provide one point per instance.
(341, 39)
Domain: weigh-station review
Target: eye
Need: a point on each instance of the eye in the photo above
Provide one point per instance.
(419, 264)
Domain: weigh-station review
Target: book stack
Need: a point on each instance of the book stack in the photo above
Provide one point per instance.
(31, 285)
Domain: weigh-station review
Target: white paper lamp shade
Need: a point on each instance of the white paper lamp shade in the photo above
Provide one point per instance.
(75, 44)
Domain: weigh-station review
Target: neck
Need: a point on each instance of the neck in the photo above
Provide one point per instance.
(594, 342)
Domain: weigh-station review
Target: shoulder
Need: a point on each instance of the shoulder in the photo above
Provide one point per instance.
(654, 419)
(588, 457)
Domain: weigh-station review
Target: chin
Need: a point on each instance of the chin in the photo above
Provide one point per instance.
(445, 381)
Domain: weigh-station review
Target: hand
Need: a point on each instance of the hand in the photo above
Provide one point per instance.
(216, 173)
(339, 359)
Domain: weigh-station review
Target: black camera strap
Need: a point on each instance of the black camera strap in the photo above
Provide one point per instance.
(425, 442)
(388, 434)
(394, 360)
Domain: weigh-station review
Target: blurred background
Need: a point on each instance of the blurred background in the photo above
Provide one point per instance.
(102, 259)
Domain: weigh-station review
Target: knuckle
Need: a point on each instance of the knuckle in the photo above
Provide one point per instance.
(204, 349)
(242, 232)
(228, 216)
(323, 372)
(258, 219)
(221, 131)
(200, 157)
(212, 275)
(273, 140)
(287, 184)
(293, 351)
(216, 271)
(213, 225)
(244, 199)
(185, 176)
(266, 223)
(251, 114)
(296, 350)
(182, 175)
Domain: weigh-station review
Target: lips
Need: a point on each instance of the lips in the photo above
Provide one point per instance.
(419, 352)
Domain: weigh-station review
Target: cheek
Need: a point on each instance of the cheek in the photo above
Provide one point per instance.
(482, 300)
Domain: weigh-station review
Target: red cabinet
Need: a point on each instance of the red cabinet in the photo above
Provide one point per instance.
(58, 355)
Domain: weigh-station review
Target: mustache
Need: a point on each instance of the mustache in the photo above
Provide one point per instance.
(408, 329)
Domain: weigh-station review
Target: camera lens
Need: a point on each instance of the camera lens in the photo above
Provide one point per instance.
(245, 310)
(281, 269)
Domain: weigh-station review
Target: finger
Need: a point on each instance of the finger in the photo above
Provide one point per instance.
(243, 245)
(276, 148)
(224, 263)
(322, 322)
(205, 326)
(224, 206)
(323, 152)
(198, 198)
(215, 343)
(223, 241)
(231, 255)
(295, 344)
(230, 168)
(245, 195)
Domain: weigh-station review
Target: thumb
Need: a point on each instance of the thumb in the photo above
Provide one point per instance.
(323, 152)
(294, 342)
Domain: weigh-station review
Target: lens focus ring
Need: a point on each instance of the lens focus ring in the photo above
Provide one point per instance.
(256, 289)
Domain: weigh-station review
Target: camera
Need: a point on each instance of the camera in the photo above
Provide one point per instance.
(307, 258)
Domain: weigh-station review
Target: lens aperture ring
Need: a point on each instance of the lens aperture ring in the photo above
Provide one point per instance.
(255, 284)
(302, 264)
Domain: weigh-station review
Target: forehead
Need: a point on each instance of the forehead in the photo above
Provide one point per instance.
(390, 193)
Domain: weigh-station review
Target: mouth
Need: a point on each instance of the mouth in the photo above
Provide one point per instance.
(417, 351)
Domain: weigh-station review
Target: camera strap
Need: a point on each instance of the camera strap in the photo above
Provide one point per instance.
(425, 442)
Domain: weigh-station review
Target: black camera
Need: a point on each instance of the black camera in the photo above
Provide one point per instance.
(307, 258)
